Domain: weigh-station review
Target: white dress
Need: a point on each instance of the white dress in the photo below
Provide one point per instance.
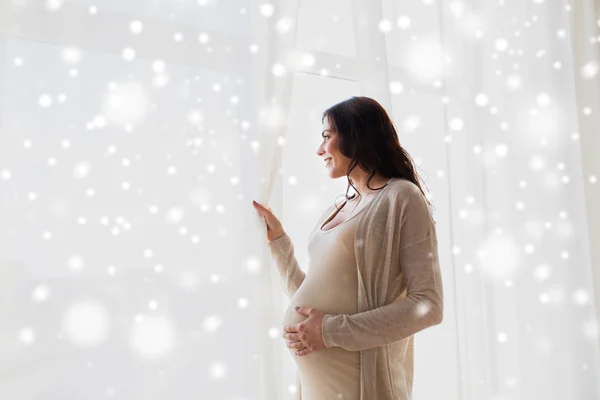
(330, 286)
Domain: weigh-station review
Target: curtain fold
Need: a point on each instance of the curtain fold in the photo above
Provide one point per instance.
(584, 39)
(274, 27)
(519, 229)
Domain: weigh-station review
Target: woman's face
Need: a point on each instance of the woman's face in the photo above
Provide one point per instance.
(329, 149)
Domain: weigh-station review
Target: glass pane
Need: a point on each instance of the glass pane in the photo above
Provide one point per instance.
(413, 40)
(326, 26)
(312, 95)
(214, 15)
(141, 127)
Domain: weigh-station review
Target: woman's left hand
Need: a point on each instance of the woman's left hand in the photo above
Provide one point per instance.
(306, 336)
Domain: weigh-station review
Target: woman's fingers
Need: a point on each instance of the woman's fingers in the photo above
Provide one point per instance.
(258, 207)
(274, 228)
(263, 208)
(296, 345)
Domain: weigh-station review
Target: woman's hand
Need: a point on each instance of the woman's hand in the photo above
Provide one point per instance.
(274, 228)
(306, 336)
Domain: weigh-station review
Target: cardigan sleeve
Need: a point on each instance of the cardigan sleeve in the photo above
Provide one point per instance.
(291, 274)
(422, 307)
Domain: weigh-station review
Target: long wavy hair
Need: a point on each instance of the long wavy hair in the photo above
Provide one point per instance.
(367, 136)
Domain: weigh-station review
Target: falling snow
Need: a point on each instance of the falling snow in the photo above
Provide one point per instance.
(129, 159)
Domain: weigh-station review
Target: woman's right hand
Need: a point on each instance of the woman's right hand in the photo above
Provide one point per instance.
(274, 228)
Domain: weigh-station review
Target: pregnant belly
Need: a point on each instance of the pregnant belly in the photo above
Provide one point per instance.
(329, 373)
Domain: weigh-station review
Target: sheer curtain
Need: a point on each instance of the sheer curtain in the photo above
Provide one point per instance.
(135, 134)
(526, 311)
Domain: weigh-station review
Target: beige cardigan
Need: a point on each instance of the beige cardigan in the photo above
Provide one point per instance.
(399, 288)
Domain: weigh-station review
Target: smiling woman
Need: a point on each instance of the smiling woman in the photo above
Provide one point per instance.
(334, 335)
(363, 148)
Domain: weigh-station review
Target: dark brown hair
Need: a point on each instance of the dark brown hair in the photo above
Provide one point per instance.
(367, 136)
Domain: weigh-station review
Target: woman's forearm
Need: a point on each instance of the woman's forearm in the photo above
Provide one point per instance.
(290, 272)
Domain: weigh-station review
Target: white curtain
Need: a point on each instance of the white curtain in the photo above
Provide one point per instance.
(134, 135)
(523, 272)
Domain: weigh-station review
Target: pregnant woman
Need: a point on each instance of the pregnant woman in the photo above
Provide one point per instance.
(374, 278)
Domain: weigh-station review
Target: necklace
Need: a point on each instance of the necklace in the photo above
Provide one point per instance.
(361, 197)
(357, 204)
